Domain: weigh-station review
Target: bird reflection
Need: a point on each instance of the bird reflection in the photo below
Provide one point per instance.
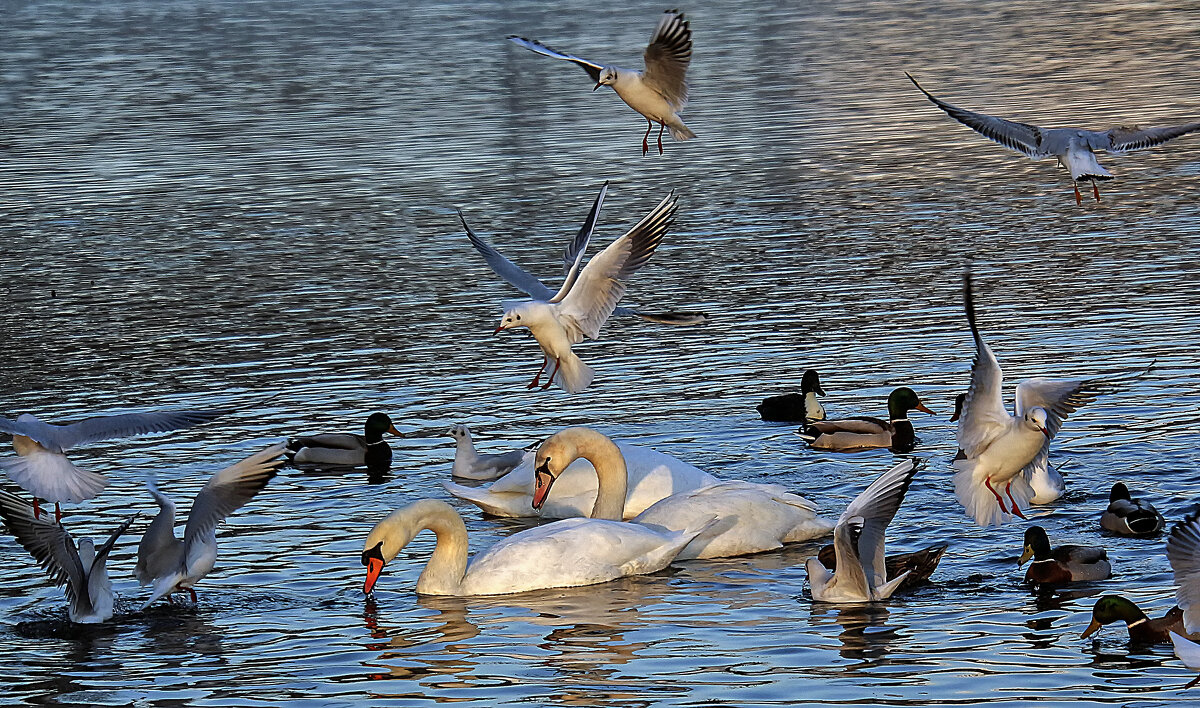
(449, 659)
(864, 637)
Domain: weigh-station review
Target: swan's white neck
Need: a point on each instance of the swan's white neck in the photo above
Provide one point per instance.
(612, 474)
(443, 574)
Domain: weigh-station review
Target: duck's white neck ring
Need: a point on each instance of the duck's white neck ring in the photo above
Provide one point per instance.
(1131, 625)
(377, 442)
(899, 420)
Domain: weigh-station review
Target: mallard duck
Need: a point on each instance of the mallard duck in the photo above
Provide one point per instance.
(469, 464)
(346, 449)
(1062, 565)
(1112, 608)
(796, 407)
(850, 434)
(1128, 516)
(919, 564)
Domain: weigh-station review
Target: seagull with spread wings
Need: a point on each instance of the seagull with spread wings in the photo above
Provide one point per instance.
(1183, 552)
(858, 543)
(995, 447)
(1075, 148)
(529, 284)
(41, 467)
(584, 303)
(659, 92)
(81, 571)
(173, 565)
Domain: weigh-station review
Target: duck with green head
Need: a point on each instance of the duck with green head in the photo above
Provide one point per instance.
(1063, 565)
(864, 433)
(1142, 629)
(346, 449)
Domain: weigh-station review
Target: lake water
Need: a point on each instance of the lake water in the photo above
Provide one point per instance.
(251, 205)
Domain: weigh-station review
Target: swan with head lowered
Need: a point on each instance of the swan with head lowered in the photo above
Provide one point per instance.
(652, 476)
(567, 553)
(750, 518)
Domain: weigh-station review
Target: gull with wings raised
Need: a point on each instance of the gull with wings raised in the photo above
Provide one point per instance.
(585, 302)
(81, 572)
(1073, 147)
(529, 284)
(659, 92)
(41, 467)
(995, 447)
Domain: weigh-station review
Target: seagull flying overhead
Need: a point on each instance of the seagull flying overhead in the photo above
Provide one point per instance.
(572, 259)
(659, 92)
(173, 565)
(585, 302)
(1075, 148)
(44, 471)
(80, 572)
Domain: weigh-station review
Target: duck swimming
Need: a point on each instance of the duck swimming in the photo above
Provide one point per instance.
(852, 434)
(1063, 565)
(796, 407)
(1128, 516)
(346, 449)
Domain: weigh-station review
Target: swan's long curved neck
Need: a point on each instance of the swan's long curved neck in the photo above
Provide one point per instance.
(611, 470)
(444, 572)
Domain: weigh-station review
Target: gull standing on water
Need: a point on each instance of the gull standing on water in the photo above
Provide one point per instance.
(995, 447)
(80, 572)
(659, 92)
(44, 471)
(174, 565)
(1075, 148)
(585, 302)
(529, 284)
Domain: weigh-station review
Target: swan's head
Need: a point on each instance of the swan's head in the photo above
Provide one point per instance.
(1036, 418)
(460, 433)
(959, 400)
(391, 535)
(552, 458)
(811, 383)
(608, 77)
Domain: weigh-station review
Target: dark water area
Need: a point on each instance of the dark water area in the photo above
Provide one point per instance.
(252, 205)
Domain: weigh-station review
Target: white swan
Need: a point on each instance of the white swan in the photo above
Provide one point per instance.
(751, 518)
(81, 573)
(861, 574)
(469, 464)
(566, 553)
(652, 476)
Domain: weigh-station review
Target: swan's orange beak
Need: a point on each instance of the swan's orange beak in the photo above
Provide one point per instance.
(921, 407)
(543, 480)
(374, 568)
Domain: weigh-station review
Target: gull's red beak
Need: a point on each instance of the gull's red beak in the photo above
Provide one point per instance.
(598, 85)
(498, 330)
(1046, 433)
(374, 568)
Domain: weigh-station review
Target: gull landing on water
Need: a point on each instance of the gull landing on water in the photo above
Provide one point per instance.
(659, 92)
(1074, 148)
(585, 302)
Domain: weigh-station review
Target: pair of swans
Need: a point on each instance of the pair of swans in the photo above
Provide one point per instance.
(713, 520)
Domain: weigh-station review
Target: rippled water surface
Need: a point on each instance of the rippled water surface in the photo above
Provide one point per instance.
(251, 205)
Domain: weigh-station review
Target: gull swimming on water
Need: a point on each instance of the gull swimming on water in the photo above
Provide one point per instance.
(174, 565)
(529, 284)
(1075, 148)
(995, 447)
(44, 471)
(659, 92)
(584, 303)
(80, 572)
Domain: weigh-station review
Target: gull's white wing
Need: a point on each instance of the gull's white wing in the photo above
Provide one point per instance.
(62, 437)
(573, 253)
(1022, 137)
(1060, 398)
(593, 69)
(869, 515)
(601, 283)
(1124, 139)
(229, 490)
(50, 544)
(983, 415)
(667, 58)
(1183, 552)
(506, 269)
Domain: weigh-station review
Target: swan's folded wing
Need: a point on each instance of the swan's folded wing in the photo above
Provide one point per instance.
(601, 283)
(1124, 139)
(512, 274)
(49, 543)
(667, 58)
(1183, 552)
(230, 489)
(104, 427)
(1059, 397)
(983, 415)
(593, 69)
(1022, 137)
